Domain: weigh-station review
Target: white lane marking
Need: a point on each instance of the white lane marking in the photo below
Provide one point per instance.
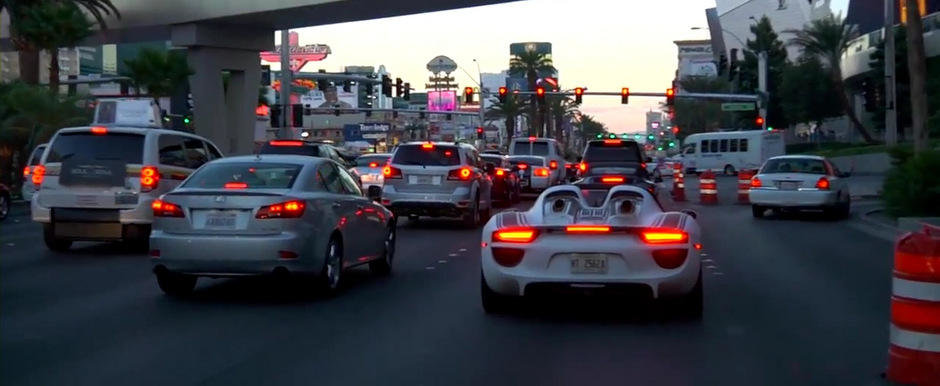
(703, 254)
(442, 261)
(707, 260)
(11, 245)
(462, 249)
(711, 266)
(429, 267)
(717, 273)
(452, 254)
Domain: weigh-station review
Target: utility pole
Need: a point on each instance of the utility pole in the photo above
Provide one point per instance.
(286, 80)
(762, 86)
(482, 144)
(891, 112)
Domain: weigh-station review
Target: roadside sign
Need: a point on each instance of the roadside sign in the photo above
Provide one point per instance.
(737, 106)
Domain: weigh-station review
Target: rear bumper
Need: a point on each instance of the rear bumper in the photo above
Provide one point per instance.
(139, 214)
(804, 198)
(427, 204)
(232, 255)
(538, 184)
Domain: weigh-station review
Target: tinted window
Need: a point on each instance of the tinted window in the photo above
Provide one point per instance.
(196, 154)
(495, 160)
(713, 146)
(794, 165)
(520, 148)
(623, 152)
(308, 150)
(213, 152)
(435, 156)
(36, 156)
(330, 178)
(256, 175)
(733, 145)
(349, 184)
(171, 151)
(527, 160)
(705, 146)
(724, 146)
(540, 148)
(743, 146)
(113, 146)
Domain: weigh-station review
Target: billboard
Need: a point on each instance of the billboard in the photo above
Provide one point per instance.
(332, 97)
(518, 81)
(444, 100)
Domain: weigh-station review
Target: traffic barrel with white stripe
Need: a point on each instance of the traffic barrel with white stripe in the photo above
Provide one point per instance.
(678, 182)
(744, 185)
(708, 188)
(914, 353)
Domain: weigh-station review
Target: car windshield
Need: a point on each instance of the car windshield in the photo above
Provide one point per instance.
(794, 165)
(305, 149)
(427, 155)
(625, 151)
(125, 147)
(247, 175)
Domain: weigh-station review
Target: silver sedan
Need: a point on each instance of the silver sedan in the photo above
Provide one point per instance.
(797, 182)
(270, 214)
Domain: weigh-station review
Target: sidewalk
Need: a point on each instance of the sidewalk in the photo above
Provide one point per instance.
(866, 186)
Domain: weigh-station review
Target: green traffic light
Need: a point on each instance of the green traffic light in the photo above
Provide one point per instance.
(612, 135)
(650, 137)
(186, 120)
(769, 128)
(636, 136)
(659, 148)
(599, 136)
(672, 144)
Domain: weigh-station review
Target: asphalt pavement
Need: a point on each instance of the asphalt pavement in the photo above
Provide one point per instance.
(788, 300)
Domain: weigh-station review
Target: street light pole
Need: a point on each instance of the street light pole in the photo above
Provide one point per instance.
(891, 112)
(286, 81)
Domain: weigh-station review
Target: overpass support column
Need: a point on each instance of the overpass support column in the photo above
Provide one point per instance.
(224, 111)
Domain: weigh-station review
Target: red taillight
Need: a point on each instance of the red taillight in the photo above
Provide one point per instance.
(664, 236)
(391, 172)
(515, 235)
(612, 141)
(508, 257)
(612, 179)
(583, 167)
(523, 166)
(642, 165)
(149, 178)
(755, 182)
(154, 253)
(25, 172)
(531, 139)
(289, 209)
(553, 165)
(166, 209)
(500, 172)
(99, 130)
(373, 164)
(427, 146)
(286, 143)
(822, 184)
(541, 172)
(670, 258)
(460, 174)
(287, 254)
(39, 172)
(236, 185)
(587, 229)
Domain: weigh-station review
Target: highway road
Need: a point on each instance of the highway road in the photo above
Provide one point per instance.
(788, 300)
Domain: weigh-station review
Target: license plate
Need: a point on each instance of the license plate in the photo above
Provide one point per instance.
(221, 220)
(125, 198)
(588, 263)
(789, 185)
(424, 180)
(524, 182)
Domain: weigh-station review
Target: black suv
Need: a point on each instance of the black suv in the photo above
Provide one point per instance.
(308, 148)
(615, 161)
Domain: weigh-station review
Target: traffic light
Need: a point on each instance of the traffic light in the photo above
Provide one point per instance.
(503, 91)
(675, 130)
(386, 86)
(297, 115)
(186, 120)
(540, 94)
(479, 132)
(672, 144)
(733, 65)
(399, 86)
(670, 96)
(759, 121)
(407, 92)
(468, 95)
(650, 137)
(578, 93)
(600, 135)
(624, 95)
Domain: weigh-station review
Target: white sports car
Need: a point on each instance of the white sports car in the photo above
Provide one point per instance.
(577, 240)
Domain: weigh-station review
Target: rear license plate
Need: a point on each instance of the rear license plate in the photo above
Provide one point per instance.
(424, 180)
(524, 182)
(789, 185)
(221, 220)
(125, 198)
(588, 263)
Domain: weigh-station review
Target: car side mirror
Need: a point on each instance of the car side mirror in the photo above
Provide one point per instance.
(690, 212)
(374, 193)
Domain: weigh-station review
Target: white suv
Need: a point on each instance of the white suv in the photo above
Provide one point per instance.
(543, 147)
(97, 183)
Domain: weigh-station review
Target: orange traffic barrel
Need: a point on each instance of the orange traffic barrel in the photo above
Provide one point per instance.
(708, 188)
(914, 352)
(744, 185)
(678, 182)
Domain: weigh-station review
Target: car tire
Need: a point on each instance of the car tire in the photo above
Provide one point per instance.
(4, 206)
(175, 284)
(383, 266)
(493, 303)
(757, 211)
(330, 279)
(729, 170)
(54, 243)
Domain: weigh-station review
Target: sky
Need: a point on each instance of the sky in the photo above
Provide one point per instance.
(602, 45)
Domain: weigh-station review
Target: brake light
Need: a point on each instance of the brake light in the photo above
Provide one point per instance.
(99, 130)
(822, 184)
(612, 141)
(664, 236)
(500, 172)
(523, 166)
(670, 258)
(165, 209)
(427, 146)
(391, 172)
(289, 209)
(235, 185)
(553, 165)
(587, 229)
(642, 165)
(755, 182)
(149, 178)
(286, 143)
(515, 235)
(39, 172)
(531, 139)
(25, 172)
(583, 167)
(612, 180)
(373, 164)
(460, 174)
(508, 257)
(541, 172)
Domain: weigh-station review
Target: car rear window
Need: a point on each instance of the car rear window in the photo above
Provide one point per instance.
(111, 146)
(434, 156)
(539, 148)
(368, 159)
(247, 175)
(307, 150)
(36, 156)
(493, 159)
(624, 152)
(794, 165)
(530, 148)
(527, 160)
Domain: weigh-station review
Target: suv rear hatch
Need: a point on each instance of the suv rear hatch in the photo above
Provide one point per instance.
(425, 168)
(615, 157)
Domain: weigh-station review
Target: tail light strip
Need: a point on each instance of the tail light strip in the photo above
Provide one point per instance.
(651, 236)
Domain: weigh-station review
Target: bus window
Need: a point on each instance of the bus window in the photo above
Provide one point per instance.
(713, 145)
(733, 146)
(705, 146)
(743, 145)
(724, 146)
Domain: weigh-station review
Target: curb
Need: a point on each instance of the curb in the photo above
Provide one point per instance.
(866, 216)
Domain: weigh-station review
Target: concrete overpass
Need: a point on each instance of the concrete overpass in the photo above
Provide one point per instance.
(227, 35)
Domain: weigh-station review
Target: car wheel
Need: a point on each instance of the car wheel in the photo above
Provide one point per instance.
(729, 170)
(493, 303)
(54, 243)
(331, 276)
(758, 211)
(383, 266)
(472, 217)
(4, 206)
(175, 284)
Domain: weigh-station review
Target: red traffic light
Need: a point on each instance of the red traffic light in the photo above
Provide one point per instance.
(540, 91)
(625, 95)
(468, 94)
(670, 96)
(503, 91)
(675, 129)
(468, 90)
(759, 121)
(479, 130)
(670, 92)
(625, 91)
(578, 91)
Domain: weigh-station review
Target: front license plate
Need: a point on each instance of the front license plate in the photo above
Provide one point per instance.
(588, 263)
(221, 220)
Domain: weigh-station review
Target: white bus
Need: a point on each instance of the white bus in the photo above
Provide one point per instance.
(730, 151)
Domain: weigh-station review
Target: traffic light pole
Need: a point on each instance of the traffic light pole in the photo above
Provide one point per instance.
(891, 112)
(286, 82)
(686, 95)
(762, 86)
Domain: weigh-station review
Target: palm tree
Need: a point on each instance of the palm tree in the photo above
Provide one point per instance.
(508, 110)
(560, 108)
(50, 26)
(160, 72)
(531, 64)
(827, 38)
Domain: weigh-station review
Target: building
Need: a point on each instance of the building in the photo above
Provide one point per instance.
(491, 84)
(695, 59)
(68, 65)
(737, 16)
